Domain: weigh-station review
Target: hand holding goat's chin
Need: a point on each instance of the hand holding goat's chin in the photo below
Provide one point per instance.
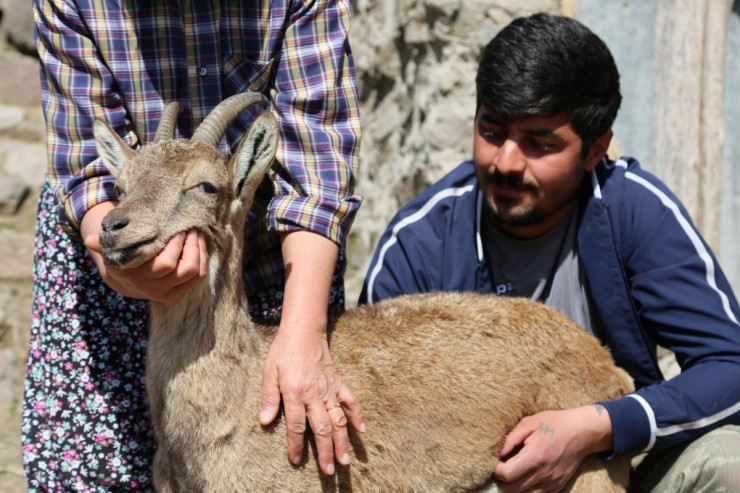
(165, 278)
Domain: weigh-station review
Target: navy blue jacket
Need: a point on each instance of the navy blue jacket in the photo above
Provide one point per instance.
(651, 277)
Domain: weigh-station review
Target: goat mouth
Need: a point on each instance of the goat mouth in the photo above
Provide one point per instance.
(126, 256)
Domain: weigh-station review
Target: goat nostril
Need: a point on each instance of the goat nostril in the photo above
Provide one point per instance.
(114, 224)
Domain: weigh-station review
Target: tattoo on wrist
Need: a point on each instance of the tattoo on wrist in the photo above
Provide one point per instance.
(600, 408)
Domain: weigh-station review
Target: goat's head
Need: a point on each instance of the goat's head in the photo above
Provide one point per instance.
(175, 185)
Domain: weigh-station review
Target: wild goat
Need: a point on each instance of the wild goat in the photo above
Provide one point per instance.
(441, 377)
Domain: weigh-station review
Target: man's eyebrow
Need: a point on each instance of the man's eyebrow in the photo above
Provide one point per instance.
(492, 119)
(542, 132)
(538, 131)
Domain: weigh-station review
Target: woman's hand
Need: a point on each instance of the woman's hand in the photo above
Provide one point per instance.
(179, 267)
(299, 366)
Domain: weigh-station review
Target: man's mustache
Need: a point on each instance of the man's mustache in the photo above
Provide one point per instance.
(508, 180)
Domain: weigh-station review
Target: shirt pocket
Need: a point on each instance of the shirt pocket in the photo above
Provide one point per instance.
(241, 74)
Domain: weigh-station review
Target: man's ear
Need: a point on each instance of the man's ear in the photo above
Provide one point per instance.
(113, 150)
(598, 150)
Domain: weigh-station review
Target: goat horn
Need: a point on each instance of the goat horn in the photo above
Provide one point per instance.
(214, 126)
(166, 127)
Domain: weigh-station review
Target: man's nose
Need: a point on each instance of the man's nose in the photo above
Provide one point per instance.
(510, 158)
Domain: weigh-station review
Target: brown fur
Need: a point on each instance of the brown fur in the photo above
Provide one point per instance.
(441, 377)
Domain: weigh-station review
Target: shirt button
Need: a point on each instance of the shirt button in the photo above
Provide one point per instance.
(202, 71)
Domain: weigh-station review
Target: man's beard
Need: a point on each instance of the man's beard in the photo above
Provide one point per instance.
(529, 217)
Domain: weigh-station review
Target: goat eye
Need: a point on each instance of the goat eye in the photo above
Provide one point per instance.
(208, 187)
(119, 191)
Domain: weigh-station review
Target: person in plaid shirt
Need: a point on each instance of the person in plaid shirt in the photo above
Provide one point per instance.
(85, 418)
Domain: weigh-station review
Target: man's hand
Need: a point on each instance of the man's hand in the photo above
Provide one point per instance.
(549, 446)
(178, 268)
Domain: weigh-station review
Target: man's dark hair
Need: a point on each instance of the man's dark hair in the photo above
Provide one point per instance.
(543, 65)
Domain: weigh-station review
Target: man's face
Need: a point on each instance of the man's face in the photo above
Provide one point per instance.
(530, 170)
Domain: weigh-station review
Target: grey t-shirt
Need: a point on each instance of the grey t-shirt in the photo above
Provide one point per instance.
(546, 268)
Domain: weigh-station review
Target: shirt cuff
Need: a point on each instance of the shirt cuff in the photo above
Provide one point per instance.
(332, 219)
(633, 424)
(80, 196)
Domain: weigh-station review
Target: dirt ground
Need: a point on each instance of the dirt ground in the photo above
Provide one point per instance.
(16, 251)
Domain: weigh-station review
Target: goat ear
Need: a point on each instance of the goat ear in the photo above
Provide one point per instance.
(112, 149)
(255, 154)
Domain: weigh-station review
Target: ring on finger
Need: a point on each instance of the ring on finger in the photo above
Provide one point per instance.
(334, 406)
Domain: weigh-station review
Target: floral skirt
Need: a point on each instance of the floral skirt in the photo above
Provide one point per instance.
(85, 411)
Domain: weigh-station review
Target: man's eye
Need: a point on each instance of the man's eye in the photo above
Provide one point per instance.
(490, 134)
(542, 146)
(208, 187)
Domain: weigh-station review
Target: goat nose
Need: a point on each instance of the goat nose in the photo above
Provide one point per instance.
(112, 223)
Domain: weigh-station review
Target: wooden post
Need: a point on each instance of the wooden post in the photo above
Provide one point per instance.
(569, 8)
(688, 112)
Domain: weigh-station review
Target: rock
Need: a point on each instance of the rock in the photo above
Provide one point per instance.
(18, 26)
(8, 377)
(24, 161)
(667, 363)
(16, 250)
(20, 84)
(12, 194)
(11, 117)
(16, 122)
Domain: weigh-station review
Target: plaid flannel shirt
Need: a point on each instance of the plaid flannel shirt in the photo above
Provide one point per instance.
(123, 60)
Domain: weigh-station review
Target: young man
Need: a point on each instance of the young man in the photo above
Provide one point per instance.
(541, 212)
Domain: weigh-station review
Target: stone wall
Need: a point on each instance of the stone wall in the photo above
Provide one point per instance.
(416, 62)
(22, 168)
